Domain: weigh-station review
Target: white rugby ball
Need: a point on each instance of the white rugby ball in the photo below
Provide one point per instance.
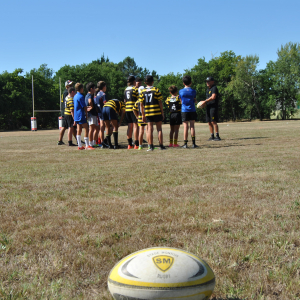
(161, 273)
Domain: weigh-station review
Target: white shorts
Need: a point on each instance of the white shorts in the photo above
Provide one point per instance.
(92, 120)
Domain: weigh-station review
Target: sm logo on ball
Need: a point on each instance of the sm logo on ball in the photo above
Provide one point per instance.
(163, 262)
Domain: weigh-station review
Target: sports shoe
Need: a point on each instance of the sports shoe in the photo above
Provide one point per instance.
(136, 147)
(144, 141)
(171, 145)
(117, 147)
(176, 145)
(195, 146)
(140, 148)
(60, 143)
(89, 148)
(217, 138)
(150, 149)
(96, 146)
(82, 142)
(72, 145)
(81, 148)
(129, 147)
(162, 148)
(211, 138)
(185, 146)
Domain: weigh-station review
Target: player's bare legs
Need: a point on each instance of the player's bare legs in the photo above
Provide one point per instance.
(150, 132)
(176, 131)
(136, 131)
(185, 130)
(172, 129)
(61, 134)
(159, 131)
(91, 133)
(129, 130)
(101, 131)
(96, 134)
(70, 132)
(141, 135)
(192, 125)
(211, 128)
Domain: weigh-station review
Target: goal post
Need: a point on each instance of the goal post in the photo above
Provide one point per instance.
(33, 119)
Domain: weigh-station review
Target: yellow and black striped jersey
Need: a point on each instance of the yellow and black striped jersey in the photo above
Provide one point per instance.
(131, 95)
(174, 104)
(117, 105)
(151, 97)
(137, 107)
(69, 105)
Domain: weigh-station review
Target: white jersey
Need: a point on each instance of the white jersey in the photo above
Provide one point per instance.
(141, 88)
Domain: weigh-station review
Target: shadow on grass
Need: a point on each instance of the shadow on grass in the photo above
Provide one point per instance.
(251, 138)
(220, 145)
(230, 298)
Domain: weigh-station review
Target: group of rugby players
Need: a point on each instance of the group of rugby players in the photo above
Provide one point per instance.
(142, 107)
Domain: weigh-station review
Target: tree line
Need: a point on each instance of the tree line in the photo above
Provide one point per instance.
(246, 92)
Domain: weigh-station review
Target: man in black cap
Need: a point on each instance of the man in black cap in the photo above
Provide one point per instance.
(212, 101)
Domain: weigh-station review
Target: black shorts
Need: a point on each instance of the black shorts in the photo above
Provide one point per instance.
(130, 117)
(175, 118)
(67, 121)
(212, 114)
(189, 116)
(154, 119)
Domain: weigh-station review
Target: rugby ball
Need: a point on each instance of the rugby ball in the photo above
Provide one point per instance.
(201, 104)
(161, 273)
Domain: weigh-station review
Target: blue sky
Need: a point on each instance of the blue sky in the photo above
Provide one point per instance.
(165, 36)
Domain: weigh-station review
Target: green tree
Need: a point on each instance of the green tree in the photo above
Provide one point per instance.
(245, 85)
(14, 105)
(285, 77)
(46, 95)
(223, 69)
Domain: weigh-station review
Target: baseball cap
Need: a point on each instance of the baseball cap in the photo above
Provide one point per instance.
(131, 78)
(209, 79)
(68, 82)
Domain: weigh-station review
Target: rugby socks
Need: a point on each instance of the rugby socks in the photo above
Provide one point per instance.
(91, 143)
(136, 142)
(175, 141)
(94, 142)
(108, 140)
(193, 140)
(115, 134)
(78, 138)
(217, 134)
(86, 140)
(151, 146)
(129, 142)
(171, 142)
(212, 135)
(185, 142)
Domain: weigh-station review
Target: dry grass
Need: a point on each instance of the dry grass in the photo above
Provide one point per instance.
(67, 216)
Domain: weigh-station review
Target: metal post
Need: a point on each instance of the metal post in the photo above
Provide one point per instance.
(32, 98)
(60, 93)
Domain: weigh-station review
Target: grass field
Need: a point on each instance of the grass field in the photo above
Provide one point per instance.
(67, 216)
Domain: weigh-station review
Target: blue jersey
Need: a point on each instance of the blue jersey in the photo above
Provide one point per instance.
(79, 105)
(187, 96)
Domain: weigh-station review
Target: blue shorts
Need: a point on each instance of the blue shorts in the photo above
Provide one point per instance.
(108, 113)
(81, 121)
